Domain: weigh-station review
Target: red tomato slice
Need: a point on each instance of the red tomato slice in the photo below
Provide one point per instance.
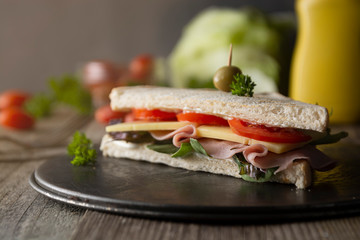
(153, 115)
(267, 134)
(13, 98)
(202, 119)
(16, 118)
(105, 114)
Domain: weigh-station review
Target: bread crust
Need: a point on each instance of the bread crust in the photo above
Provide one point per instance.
(299, 173)
(267, 109)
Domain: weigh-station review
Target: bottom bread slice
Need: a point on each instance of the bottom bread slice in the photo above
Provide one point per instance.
(299, 173)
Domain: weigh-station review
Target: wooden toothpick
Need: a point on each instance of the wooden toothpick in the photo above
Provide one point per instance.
(230, 55)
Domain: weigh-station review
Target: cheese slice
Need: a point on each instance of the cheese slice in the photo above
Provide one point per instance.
(145, 126)
(215, 132)
(225, 133)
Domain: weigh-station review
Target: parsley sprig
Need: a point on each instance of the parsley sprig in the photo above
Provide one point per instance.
(66, 90)
(69, 91)
(242, 85)
(39, 106)
(81, 149)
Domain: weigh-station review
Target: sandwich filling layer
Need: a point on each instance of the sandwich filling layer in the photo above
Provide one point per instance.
(257, 160)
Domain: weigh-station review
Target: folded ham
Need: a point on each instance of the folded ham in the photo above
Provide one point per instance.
(179, 136)
(257, 154)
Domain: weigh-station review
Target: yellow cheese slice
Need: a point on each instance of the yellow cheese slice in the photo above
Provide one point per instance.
(225, 133)
(215, 132)
(145, 126)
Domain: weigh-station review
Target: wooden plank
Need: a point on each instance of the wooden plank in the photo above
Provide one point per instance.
(98, 225)
(25, 214)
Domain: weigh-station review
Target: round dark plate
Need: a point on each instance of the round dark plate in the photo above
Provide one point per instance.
(144, 189)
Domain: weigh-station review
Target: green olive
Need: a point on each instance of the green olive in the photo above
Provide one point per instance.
(224, 76)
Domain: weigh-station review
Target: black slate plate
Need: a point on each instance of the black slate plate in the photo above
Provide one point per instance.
(157, 191)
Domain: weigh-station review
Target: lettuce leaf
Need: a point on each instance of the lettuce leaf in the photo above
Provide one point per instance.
(163, 148)
(330, 138)
(251, 173)
(185, 148)
(197, 147)
(204, 47)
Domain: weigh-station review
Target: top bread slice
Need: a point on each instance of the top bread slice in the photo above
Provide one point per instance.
(269, 109)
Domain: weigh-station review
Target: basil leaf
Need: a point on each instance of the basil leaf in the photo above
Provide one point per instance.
(184, 149)
(163, 148)
(197, 147)
(330, 138)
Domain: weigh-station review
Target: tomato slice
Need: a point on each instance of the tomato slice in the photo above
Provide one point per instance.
(202, 119)
(153, 115)
(267, 134)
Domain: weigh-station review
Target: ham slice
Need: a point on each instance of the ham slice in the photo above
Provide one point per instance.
(256, 154)
(259, 156)
(179, 136)
(221, 149)
(315, 157)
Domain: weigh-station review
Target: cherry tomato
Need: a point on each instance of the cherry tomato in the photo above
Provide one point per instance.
(16, 118)
(141, 66)
(268, 134)
(153, 115)
(202, 119)
(105, 114)
(13, 98)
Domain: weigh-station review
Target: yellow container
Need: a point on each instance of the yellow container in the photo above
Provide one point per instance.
(326, 62)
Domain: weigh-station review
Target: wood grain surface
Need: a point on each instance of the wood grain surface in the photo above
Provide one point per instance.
(26, 214)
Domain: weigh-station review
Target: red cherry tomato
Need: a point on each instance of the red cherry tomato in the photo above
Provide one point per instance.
(105, 114)
(16, 118)
(153, 115)
(13, 98)
(141, 66)
(268, 134)
(202, 119)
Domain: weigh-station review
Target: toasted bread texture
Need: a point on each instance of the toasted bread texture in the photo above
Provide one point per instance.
(299, 173)
(268, 109)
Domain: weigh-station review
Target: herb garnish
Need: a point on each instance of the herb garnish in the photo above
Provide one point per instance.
(81, 149)
(69, 91)
(242, 85)
(39, 105)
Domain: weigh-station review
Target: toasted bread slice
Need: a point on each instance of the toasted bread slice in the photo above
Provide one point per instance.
(267, 109)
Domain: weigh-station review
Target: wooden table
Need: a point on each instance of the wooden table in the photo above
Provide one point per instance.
(26, 214)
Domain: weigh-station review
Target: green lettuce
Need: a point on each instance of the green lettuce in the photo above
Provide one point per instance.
(204, 47)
